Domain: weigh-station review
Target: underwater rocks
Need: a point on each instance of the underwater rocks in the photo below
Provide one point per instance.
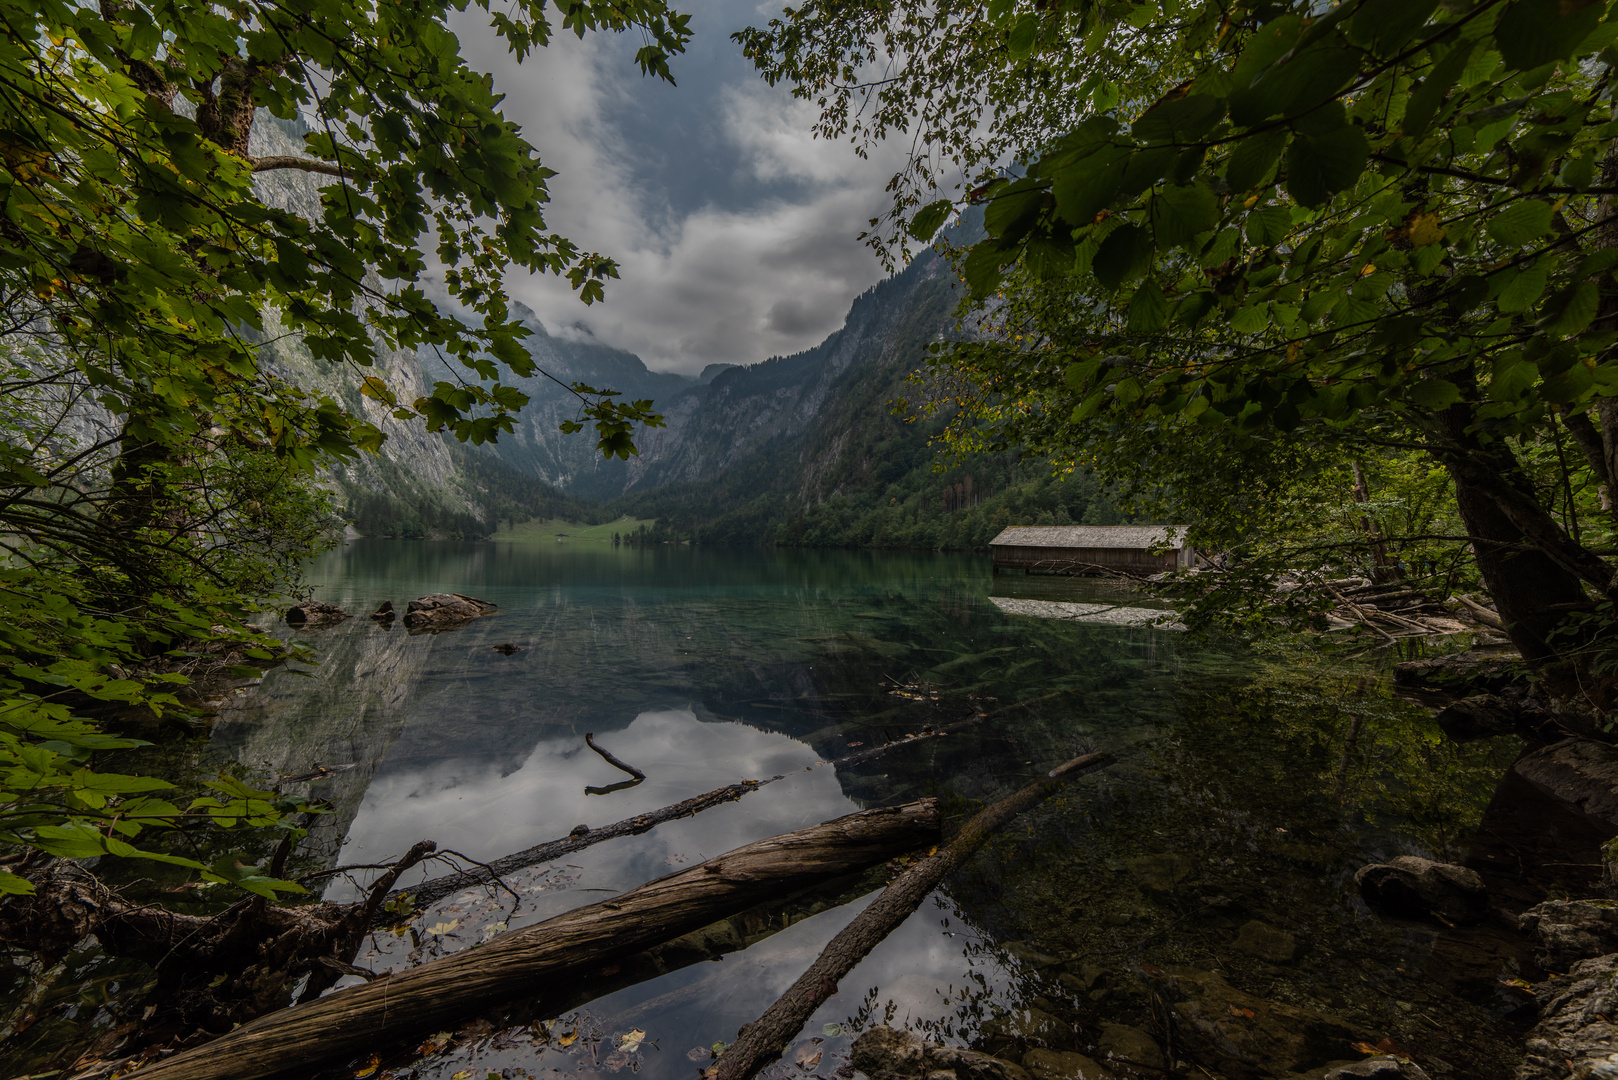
(1571, 930)
(1515, 710)
(1579, 772)
(1123, 1048)
(1062, 1065)
(885, 1053)
(1378, 1068)
(1243, 1035)
(1409, 887)
(1266, 943)
(1575, 1036)
(444, 611)
(315, 615)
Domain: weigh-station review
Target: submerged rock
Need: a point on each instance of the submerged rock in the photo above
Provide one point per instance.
(1242, 1035)
(315, 615)
(1266, 942)
(1579, 772)
(1568, 931)
(1482, 716)
(1063, 1065)
(1411, 887)
(1576, 1035)
(384, 614)
(885, 1053)
(507, 649)
(444, 611)
(1122, 1047)
(1159, 873)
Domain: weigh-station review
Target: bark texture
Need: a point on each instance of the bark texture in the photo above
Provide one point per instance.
(438, 993)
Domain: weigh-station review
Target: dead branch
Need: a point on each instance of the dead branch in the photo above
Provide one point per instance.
(589, 740)
(762, 1041)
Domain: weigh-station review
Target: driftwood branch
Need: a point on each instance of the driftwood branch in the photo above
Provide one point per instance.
(431, 892)
(762, 1041)
(438, 993)
(272, 162)
(589, 740)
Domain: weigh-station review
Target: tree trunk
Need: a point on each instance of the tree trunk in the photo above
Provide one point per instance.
(438, 993)
(762, 1041)
(1383, 568)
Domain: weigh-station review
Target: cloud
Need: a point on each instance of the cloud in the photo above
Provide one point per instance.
(735, 230)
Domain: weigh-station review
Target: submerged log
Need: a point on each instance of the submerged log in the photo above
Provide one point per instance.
(762, 1041)
(431, 892)
(438, 993)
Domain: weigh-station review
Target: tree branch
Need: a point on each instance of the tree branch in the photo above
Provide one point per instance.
(272, 162)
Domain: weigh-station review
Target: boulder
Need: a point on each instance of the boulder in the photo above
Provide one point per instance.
(1576, 1035)
(885, 1053)
(1266, 942)
(1412, 888)
(315, 615)
(1567, 931)
(1467, 672)
(384, 614)
(1123, 1048)
(1480, 716)
(1033, 1025)
(1062, 1065)
(1242, 1035)
(1579, 772)
(444, 611)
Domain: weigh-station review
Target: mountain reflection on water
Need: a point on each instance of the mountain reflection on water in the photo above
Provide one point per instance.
(706, 667)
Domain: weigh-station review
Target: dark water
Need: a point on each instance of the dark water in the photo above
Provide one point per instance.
(1197, 895)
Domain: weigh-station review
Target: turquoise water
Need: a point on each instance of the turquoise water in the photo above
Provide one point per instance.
(1163, 889)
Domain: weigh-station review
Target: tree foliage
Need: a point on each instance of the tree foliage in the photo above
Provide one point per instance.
(1301, 232)
(156, 475)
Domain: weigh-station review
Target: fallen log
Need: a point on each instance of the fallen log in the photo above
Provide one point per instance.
(431, 892)
(762, 1041)
(438, 993)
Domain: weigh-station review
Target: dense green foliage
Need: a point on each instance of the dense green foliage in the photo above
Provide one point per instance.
(1273, 239)
(155, 474)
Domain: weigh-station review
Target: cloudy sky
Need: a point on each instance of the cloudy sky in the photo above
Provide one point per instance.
(734, 229)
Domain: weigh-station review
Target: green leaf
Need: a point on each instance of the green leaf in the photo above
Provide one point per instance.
(1253, 160)
(1269, 226)
(1148, 311)
(1427, 97)
(1521, 287)
(1568, 311)
(1434, 394)
(13, 885)
(1181, 120)
(1179, 213)
(1123, 255)
(1089, 186)
(1023, 36)
(1535, 32)
(1304, 82)
(1318, 166)
(1387, 25)
(929, 218)
(1521, 222)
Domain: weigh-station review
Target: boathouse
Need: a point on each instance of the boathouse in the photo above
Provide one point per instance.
(1136, 550)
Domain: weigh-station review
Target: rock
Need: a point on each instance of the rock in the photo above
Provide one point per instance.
(709, 943)
(1378, 1068)
(1120, 1047)
(507, 649)
(1243, 1035)
(1568, 931)
(1159, 873)
(885, 1053)
(1609, 869)
(1035, 1025)
(1576, 1035)
(1266, 942)
(1460, 672)
(1062, 1065)
(1031, 956)
(1579, 772)
(384, 614)
(315, 615)
(444, 611)
(578, 830)
(1411, 887)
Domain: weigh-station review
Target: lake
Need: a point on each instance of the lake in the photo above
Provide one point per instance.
(1195, 900)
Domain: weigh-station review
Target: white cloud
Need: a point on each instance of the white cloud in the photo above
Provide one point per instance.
(735, 230)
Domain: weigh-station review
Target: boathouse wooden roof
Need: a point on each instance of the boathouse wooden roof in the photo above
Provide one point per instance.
(1130, 537)
(1092, 549)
